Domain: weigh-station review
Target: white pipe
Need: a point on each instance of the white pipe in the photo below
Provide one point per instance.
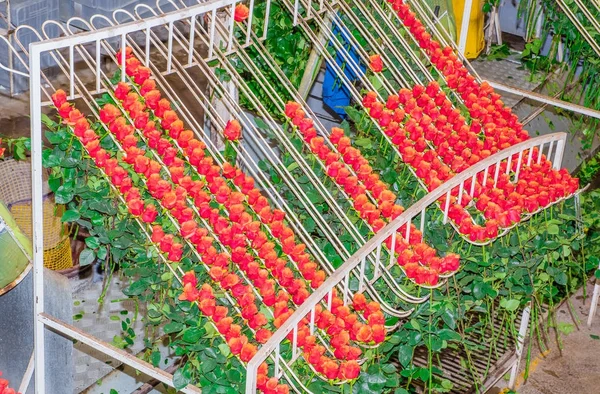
(464, 28)
(546, 100)
(37, 216)
(519, 349)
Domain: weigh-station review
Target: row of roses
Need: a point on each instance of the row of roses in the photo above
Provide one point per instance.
(417, 259)
(162, 107)
(485, 106)
(238, 342)
(266, 249)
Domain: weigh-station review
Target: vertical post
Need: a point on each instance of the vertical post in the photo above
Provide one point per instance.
(37, 216)
(519, 349)
(558, 154)
(594, 304)
(464, 28)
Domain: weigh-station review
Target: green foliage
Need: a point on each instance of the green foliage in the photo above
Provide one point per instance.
(17, 147)
(287, 46)
(498, 52)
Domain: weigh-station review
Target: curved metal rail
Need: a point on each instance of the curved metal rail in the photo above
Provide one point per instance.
(356, 265)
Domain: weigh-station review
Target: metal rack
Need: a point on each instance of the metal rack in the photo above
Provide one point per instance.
(190, 46)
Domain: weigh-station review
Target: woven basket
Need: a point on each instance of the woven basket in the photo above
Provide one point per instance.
(15, 193)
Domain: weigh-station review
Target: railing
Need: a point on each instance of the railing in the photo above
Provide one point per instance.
(357, 265)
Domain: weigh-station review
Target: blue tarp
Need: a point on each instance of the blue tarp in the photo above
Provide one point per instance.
(335, 94)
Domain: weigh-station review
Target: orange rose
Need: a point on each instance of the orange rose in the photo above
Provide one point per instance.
(59, 98)
(290, 108)
(364, 334)
(190, 293)
(349, 370)
(236, 344)
(241, 13)
(248, 351)
(330, 369)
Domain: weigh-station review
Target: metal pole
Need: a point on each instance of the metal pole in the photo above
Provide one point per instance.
(546, 99)
(464, 28)
(519, 349)
(38, 215)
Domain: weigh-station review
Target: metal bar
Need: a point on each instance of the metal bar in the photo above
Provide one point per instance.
(38, 215)
(519, 347)
(109, 350)
(546, 99)
(113, 31)
(28, 374)
(464, 28)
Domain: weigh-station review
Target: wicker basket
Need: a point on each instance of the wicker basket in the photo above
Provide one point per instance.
(15, 193)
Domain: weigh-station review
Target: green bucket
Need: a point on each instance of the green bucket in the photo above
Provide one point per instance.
(15, 252)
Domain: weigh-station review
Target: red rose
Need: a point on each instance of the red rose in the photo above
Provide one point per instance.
(349, 370)
(263, 335)
(375, 63)
(59, 98)
(233, 130)
(149, 214)
(290, 108)
(135, 206)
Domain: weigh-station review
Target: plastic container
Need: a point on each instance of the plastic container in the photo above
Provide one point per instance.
(475, 35)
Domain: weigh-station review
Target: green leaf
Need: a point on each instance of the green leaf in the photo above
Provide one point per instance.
(136, 288)
(208, 365)
(70, 215)
(173, 327)
(92, 242)
(180, 379)
(224, 349)
(155, 358)
(363, 142)
(449, 318)
(405, 355)
(49, 159)
(510, 305)
(553, 229)
(415, 324)
(449, 335)
(64, 195)
(113, 391)
(192, 335)
(234, 376)
(86, 257)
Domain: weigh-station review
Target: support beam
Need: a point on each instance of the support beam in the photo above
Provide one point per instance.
(546, 100)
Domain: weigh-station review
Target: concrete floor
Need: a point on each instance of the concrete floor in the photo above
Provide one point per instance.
(571, 367)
